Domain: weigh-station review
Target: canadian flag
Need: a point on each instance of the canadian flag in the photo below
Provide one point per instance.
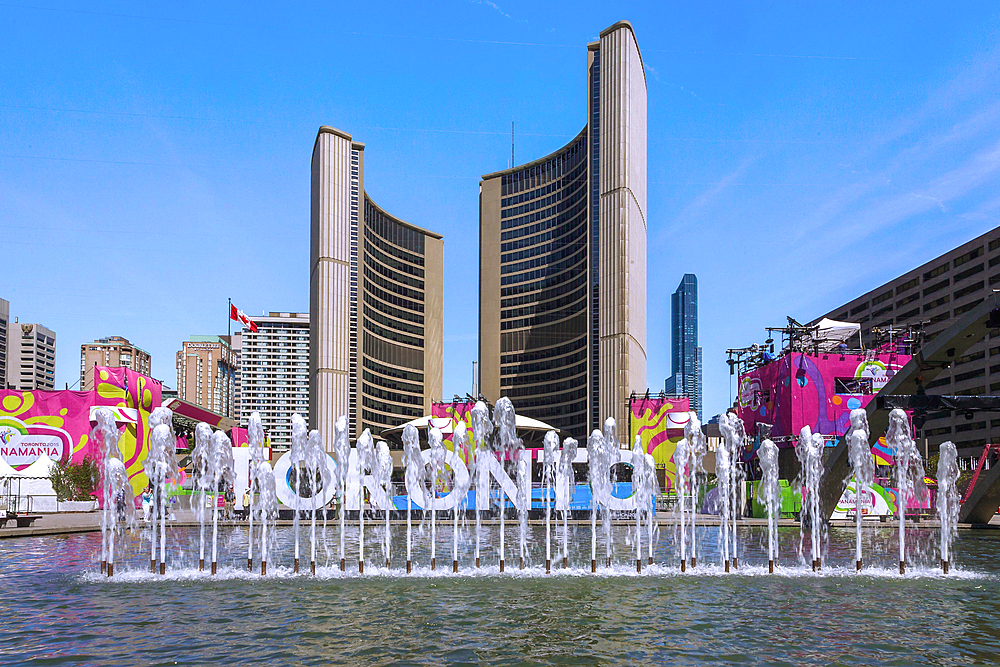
(239, 316)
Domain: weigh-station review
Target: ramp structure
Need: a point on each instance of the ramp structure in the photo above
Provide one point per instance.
(933, 358)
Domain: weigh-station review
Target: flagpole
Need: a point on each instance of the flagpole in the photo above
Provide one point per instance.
(229, 319)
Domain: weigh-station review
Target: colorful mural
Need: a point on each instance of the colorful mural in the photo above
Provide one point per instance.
(454, 412)
(58, 423)
(659, 421)
(818, 391)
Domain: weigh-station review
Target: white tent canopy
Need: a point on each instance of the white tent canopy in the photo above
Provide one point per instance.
(831, 333)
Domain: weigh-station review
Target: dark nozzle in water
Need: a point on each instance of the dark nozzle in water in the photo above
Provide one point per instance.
(201, 564)
(213, 567)
(501, 565)
(638, 565)
(295, 566)
(454, 566)
(104, 566)
(735, 563)
(312, 567)
(818, 565)
(409, 567)
(387, 564)
(249, 564)
(477, 561)
(944, 566)
(152, 566)
(565, 563)
(727, 565)
(343, 565)
(694, 562)
(522, 562)
(770, 567)
(163, 568)
(361, 567)
(650, 561)
(111, 570)
(683, 566)
(608, 564)
(902, 567)
(593, 566)
(263, 568)
(433, 563)
(858, 565)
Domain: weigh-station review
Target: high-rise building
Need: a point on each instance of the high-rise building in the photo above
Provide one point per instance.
(113, 351)
(206, 374)
(562, 259)
(685, 355)
(933, 295)
(376, 283)
(274, 372)
(31, 357)
(4, 318)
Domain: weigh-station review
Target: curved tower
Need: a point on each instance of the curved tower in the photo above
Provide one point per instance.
(376, 286)
(562, 321)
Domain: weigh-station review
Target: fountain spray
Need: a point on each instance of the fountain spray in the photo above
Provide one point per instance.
(435, 440)
(481, 429)
(723, 463)
(610, 452)
(550, 446)
(947, 500)
(366, 463)
(737, 476)
(201, 460)
(640, 482)
(460, 442)
(342, 454)
(383, 479)
(163, 452)
(566, 488)
(414, 480)
(696, 454)
(653, 490)
(771, 491)
(255, 440)
(509, 444)
(319, 481)
(809, 450)
(222, 468)
(863, 466)
(297, 458)
(268, 511)
(115, 484)
(595, 445)
(909, 469)
(524, 496)
(681, 477)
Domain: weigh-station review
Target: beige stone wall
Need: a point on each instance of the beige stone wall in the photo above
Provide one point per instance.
(433, 320)
(329, 281)
(489, 288)
(622, 223)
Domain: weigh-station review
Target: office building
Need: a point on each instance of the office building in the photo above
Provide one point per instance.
(4, 318)
(31, 357)
(933, 295)
(113, 351)
(562, 259)
(375, 286)
(206, 374)
(685, 355)
(274, 372)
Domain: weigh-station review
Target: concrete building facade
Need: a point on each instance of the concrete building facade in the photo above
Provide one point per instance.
(562, 259)
(4, 318)
(206, 374)
(31, 357)
(685, 354)
(376, 299)
(113, 351)
(274, 372)
(933, 295)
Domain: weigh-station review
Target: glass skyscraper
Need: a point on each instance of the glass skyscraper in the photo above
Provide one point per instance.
(685, 355)
(562, 259)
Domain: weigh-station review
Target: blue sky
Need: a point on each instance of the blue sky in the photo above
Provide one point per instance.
(154, 159)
